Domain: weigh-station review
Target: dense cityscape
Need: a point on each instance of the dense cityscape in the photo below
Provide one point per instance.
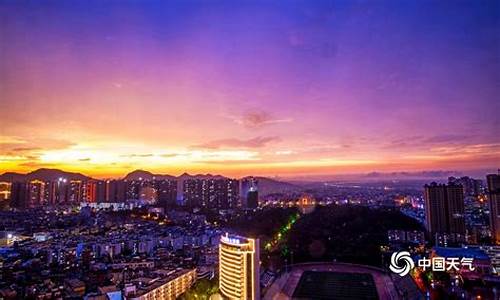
(150, 236)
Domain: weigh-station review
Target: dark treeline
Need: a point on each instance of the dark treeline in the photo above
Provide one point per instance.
(345, 233)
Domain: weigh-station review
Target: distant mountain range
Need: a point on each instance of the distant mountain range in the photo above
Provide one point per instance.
(270, 186)
(42, 174)
(146, 175)
(266, 185)
(54, 174)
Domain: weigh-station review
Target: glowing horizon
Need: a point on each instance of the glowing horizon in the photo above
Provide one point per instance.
(250, 89)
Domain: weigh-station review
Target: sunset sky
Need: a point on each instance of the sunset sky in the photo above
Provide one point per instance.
(240, 88)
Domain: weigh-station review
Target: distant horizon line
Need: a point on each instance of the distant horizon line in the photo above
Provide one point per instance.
(370, 176)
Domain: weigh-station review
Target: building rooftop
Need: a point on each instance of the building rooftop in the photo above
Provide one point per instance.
(149, 284)
(461, 252)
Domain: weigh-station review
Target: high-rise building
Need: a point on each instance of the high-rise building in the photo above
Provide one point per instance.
(134, 188)
(50, 192)
(249, 192)
(100, 191)
(193, 191)
(166, 190)
(62, 191)
(110, 191)
(36, 193)
(115, 191)
(435, 211)
(227, 193)
(90, 192)
(19, 194)
(456, 209)
(252, 199)
(211, 193)
(28, 194)
(120, 191)
(493, 181)
(76, 188)
(105, 191)
(471, 186)
(444, 210)
(239, 267)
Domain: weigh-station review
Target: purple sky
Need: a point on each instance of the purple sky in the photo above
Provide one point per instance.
(302, 87)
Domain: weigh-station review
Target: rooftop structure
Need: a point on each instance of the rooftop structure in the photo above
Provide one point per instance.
(169, 287)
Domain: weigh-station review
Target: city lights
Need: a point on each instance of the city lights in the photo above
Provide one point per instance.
(239, 267)
(253, 150)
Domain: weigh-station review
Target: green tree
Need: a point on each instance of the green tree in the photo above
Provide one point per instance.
(201, 290)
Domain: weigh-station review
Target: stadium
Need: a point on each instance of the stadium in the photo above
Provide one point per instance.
(332, 281)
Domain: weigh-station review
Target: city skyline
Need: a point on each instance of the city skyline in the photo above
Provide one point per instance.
(425, 175)
(278, 89)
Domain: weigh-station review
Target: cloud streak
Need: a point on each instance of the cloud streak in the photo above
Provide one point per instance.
(132, 155)
(258, 119)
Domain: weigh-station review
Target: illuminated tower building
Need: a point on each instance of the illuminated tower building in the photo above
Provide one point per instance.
(62, 191)
(211, 193)
(50, 193)
(494, 201)
(226, 193)
(36, 193)
(239, 267)
(90, 192)
(76, 191)
(193, 192)
(444, 210)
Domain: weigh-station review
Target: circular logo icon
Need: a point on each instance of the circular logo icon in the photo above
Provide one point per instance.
(401, 263)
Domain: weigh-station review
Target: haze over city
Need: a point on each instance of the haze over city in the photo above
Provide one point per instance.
(296, 89)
